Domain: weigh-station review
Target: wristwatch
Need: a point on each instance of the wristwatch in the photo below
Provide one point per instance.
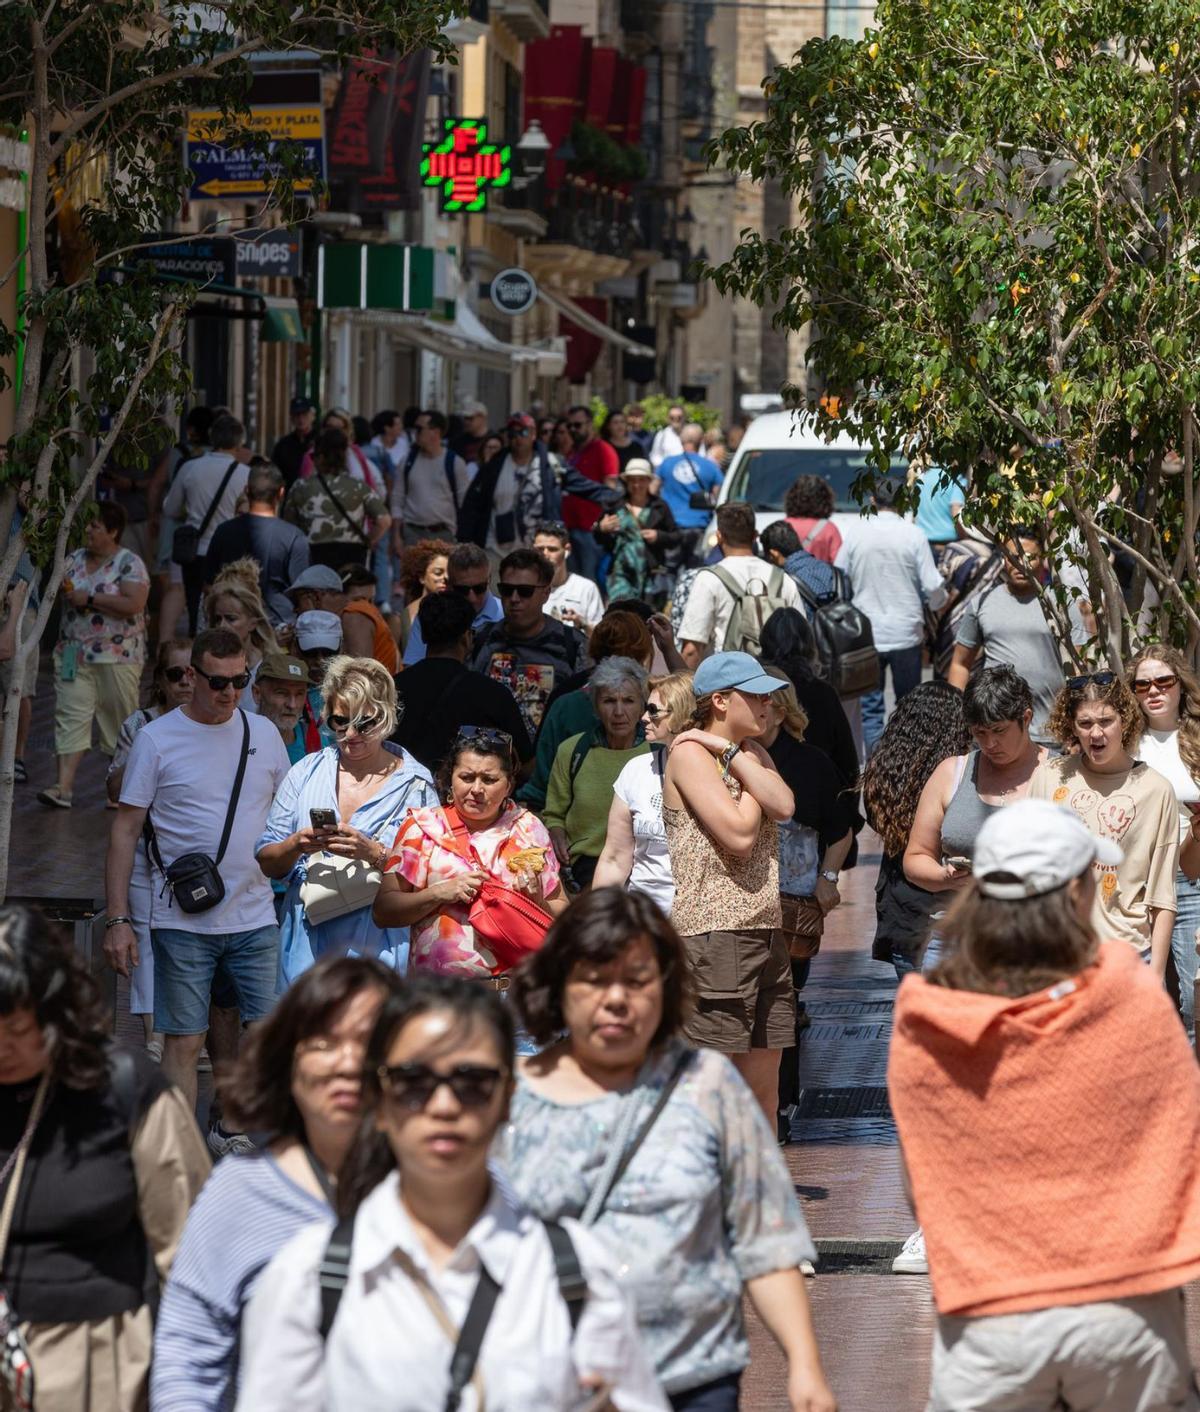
(91, 600)
(122, 921)
(829, 875)
(725, 759)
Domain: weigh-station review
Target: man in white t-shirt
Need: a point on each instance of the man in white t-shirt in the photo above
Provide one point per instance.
(573, 599)
(429, 487)
(710, 604)
(181, 771)
(667, 441)
(389, 440)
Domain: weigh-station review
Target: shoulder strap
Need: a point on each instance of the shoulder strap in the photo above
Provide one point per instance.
(812, 534)
(726, 580)
(237, 788)
(409, 460)
(216, 500)
(334, 1271)
(341, 509)
(595, 1206)
(774, 583)
(449, 467)
(571, 1282)
(470, 1340)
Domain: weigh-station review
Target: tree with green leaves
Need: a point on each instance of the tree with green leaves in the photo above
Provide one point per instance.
(996, 260)
(103, 91)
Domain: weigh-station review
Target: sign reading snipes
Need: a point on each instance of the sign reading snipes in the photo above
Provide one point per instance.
(284, 106)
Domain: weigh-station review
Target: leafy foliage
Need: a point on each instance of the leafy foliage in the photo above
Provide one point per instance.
(996, 258)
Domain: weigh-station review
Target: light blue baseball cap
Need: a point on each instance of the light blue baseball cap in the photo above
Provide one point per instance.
(734, 671)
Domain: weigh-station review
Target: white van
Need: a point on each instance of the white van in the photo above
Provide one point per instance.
(778, 447)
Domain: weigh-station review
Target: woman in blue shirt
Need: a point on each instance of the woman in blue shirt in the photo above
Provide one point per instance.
(367, 785)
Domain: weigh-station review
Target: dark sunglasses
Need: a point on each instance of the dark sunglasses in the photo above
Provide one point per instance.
(175, 674)
(1165, 683)
(413, 1085)
(484, 735)
(241, 681)
(1096, 678)
(364, 725)
(577, 426)
(519, 431)
(522, 590)
(653, 711)
(469, 590)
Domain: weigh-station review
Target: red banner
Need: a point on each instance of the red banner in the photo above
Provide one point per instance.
(375, 146)
(600, 85)
(635, 104)
(556, 79)
(617, 118)
(583, 348)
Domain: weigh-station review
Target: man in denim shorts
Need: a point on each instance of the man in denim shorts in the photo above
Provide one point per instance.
(181, 771)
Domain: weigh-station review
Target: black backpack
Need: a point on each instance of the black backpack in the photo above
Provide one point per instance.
(844, 638)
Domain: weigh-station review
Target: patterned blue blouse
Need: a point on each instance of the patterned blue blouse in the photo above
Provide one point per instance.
(706, 1204)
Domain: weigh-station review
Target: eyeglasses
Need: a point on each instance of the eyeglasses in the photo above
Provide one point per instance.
(577, 426)
(241, 681)
(1143, 685)
(411, 1086)
(521, 590)
(326, 1052)
(364, 725)
(469, 590)
(1096, 678)
(519, 431)
(653, 711)
(484, 735)
(175, 674)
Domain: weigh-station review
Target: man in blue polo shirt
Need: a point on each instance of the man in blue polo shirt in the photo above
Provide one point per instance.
(682, 476)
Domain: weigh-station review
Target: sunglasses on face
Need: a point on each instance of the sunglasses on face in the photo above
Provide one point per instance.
(1096, 678)
(175, 674)
(364, 725)
(470, 590)
(411, 1086)
(522, 590)
(519, 431)
(241, 681)
(654, 711)
(1143, 684)
(577, 426)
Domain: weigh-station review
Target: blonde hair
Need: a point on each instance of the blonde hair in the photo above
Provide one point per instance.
(677, 695)
(362, 687)
(239, 581)
(795, 719)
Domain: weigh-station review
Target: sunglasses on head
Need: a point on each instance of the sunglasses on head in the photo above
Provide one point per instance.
(470, 590)
(485, 735)
(364, 725)
(1095, 678)
(241, 681)
(175, 674)
(411, 1086)
(1164, 683)
(522, 590)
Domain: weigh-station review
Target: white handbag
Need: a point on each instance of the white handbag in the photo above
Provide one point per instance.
(335, 886)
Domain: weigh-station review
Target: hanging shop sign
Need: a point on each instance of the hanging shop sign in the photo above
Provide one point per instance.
(268, 254)
(287, 108)
(465, 165)
(200, 259)
(514, 291)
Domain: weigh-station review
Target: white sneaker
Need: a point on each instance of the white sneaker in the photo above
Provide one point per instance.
(911, 1260)
(808, 1269)
(221, 1144)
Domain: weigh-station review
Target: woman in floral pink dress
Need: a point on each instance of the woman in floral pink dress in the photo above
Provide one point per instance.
(443, 855)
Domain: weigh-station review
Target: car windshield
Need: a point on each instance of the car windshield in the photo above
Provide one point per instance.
(763, 477)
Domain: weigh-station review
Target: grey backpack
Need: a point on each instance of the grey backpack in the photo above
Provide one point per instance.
(752, 606)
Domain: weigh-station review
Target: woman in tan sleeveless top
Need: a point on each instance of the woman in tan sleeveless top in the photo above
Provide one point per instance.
(722, 800)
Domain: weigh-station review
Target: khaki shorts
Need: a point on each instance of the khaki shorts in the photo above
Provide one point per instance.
(744, 994)
(104, 692)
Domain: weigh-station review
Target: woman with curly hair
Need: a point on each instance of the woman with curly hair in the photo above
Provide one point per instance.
(103, 1160)
(808, 508)
(1169, 695)
(1121, 798)
(424, 568)
(926, 728)
(234, 601)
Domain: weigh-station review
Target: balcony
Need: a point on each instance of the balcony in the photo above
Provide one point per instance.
(528, 20)
(467, 28)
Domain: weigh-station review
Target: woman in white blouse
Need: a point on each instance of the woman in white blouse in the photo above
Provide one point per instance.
(1169, 695)
(433, 1232)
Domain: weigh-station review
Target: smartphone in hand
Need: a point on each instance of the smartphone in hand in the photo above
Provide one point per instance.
(323, 818)
(960, 865)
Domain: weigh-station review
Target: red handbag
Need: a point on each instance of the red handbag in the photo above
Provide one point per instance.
(511, 924)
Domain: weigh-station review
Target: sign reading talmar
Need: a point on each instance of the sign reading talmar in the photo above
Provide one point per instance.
(514, 291)
(286, 107)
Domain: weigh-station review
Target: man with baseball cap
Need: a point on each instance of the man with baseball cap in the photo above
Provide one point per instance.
(317, 589)
(290, 450)
(281, 695)
(474, 416)
(506, 498)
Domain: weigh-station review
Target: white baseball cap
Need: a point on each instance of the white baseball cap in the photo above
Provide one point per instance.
(1041, 845)
(316, 629)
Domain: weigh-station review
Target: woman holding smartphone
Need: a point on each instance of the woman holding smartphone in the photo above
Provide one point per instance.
(331, 828)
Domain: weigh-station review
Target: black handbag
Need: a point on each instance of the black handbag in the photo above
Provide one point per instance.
(194, 878)
(185, 544)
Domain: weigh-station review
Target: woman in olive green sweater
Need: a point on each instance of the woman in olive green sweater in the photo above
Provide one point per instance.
(586, 766)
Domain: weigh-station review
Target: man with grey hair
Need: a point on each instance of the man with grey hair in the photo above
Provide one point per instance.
(203, 495)
(687, 474)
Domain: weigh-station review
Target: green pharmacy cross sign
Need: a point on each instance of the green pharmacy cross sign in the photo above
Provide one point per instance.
(465, 165)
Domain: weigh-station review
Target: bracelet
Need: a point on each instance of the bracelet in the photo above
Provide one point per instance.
(725, 759)
(121, 921)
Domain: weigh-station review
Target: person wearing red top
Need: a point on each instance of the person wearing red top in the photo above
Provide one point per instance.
(808, 509)
(595, 459)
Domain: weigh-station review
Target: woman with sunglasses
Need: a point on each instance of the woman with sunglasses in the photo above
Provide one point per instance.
(297, 1083)
(331, 828)
(172, 686)
(1120, 798)
(433, 1237)
(1169, 695)
(444, 854)
(235, 602)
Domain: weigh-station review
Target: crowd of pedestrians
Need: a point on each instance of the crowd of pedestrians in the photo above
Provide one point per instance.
(480, 827)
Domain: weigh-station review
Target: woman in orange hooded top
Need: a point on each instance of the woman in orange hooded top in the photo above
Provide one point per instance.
(1048, 1107)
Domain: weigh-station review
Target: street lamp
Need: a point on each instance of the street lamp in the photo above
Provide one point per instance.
(533, 150)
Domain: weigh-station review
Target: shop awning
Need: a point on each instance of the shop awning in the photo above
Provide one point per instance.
(581, 318)
(464, 339)
(281, 320)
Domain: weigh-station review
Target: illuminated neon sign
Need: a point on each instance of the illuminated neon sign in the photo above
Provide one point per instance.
(465, 165)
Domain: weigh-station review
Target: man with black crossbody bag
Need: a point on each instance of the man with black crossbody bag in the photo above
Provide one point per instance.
(203, 495)
(204, 776)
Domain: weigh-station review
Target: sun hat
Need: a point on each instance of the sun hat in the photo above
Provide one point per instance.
(1040, 845)
(734, 671)
(638, 466)
(316, 629)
